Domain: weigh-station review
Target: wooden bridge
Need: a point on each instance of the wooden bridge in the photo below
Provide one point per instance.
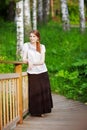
(66, 114)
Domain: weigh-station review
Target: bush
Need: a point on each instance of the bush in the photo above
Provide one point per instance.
(73, 12)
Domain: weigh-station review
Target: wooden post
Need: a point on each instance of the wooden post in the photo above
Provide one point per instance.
(18, 69)
(0, 107)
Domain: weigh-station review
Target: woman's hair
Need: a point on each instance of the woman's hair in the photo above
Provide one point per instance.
(36, 32)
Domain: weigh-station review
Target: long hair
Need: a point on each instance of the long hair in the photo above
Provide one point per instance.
(36, 32)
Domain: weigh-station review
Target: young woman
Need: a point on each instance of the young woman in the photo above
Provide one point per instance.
(40, 98)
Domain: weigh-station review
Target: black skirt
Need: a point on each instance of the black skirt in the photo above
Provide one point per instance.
(40, 98)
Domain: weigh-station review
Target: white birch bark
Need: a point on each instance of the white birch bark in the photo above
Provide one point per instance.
(65, 15)
(34, 14)
(40, 11)
(27, 18)
(82, 15)
(20, 28)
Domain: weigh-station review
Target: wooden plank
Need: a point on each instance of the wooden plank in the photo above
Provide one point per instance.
(9, 76)
(10, 99)
(66, 115)
(4, 102)
(7, 102)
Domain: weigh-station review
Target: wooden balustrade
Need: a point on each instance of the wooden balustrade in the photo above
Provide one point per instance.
(13, 96)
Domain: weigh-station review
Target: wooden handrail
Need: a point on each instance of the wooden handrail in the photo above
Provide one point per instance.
(16, 74)
(12, 62)
(8, 76)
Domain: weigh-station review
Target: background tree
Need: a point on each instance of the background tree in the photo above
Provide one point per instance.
(65, 15)
(85, 2)
(40, 11)
(34, 14)
(27, 19)
(82, 15)
(46, 9)
(52, 7)
(7, 9)
(20, 28)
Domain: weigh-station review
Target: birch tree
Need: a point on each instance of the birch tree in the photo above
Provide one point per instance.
(65, 15)
(34, 15)
(20, 28)
(40, 11)
(27, 18)
(82, 15)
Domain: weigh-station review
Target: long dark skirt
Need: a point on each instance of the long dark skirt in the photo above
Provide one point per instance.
(40, 98)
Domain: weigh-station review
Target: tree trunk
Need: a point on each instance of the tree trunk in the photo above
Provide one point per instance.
(82, 15)
(34, 14)
(65, 15)
(27, 19)
(20, 28)
(11, 11)
(40, 11)
(52, 11)
(46, 10)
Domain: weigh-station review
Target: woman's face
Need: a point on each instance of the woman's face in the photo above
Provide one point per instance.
(33, 38)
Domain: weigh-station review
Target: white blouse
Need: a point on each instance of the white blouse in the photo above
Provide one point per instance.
(30, 54)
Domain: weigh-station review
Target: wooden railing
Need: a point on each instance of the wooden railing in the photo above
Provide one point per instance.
(13, 97)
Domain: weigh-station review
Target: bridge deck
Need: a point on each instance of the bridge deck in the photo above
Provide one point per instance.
(66, 115)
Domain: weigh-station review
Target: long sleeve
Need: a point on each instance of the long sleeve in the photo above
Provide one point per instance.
(25, 52)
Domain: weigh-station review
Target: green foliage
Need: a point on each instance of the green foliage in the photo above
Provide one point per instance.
(66, 57)
(6, 68)
(66, 52)
(7, 45)
(8, 40)
(73, 12)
